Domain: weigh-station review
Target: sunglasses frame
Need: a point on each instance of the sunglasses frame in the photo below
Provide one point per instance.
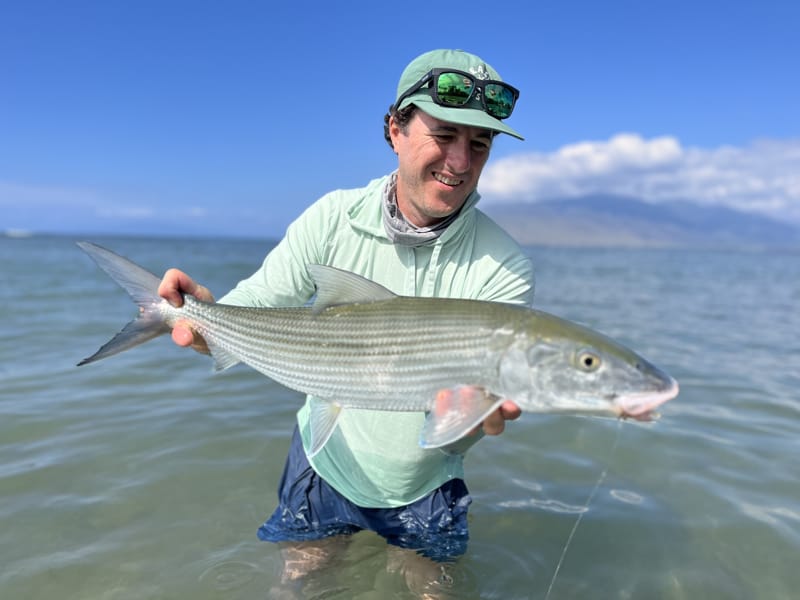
(478, 86)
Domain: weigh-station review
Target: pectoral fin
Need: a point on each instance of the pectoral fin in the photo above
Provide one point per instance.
(456, 412)
(323, 418)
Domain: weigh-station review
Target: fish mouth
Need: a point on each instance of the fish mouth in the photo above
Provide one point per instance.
(640, 406)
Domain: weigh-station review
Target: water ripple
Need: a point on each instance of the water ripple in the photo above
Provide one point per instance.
(553, 506)
(229, 575)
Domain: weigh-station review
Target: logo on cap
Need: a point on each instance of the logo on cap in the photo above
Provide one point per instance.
(480, 72)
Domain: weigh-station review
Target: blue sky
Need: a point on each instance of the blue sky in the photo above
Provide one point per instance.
(229, 118)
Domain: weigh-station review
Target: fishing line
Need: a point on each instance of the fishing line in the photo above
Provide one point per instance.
(583, 510)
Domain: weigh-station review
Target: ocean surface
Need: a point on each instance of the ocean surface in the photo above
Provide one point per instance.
(145, 476)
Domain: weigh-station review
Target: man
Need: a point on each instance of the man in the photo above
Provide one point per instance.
(418, 233)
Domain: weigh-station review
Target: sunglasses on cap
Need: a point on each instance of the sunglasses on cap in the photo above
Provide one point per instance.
(453, 88)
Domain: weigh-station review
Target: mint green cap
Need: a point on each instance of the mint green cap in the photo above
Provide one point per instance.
(473, 114)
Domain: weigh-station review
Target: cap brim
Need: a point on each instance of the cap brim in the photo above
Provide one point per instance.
(472, 117)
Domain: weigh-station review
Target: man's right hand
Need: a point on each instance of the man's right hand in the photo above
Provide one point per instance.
(174, 285)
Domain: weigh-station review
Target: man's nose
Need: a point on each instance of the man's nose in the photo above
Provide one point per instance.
(459, 156)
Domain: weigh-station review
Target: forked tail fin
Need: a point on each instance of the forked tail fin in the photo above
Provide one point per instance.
(142, 286)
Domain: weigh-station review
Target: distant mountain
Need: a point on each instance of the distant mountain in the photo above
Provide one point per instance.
(627, 222)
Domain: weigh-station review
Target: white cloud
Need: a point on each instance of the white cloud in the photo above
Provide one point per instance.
(762, 177)
(13, 194)
(19, 197)
(50, 208)
(125, 212)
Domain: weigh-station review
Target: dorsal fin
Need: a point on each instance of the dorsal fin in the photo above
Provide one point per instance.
(336, 287)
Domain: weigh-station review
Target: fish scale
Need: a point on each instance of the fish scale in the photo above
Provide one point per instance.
(318, 353)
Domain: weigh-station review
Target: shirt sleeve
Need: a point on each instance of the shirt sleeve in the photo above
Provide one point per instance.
(507, 272)
(283, 279)
(512, 283)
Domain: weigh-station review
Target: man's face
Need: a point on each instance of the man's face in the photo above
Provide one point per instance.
(439, 164)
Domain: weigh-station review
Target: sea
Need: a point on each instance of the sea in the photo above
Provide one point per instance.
(146, 475)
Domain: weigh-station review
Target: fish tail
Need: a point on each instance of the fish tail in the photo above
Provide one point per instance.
(142, 286)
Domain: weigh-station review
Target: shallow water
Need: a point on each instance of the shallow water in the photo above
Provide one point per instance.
(146, 476)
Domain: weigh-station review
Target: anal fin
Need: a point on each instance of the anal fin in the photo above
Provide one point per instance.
(222, 358)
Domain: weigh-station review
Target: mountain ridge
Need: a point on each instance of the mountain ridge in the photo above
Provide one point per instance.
(605, 220)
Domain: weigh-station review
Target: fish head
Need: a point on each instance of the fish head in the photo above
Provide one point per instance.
(555, 365)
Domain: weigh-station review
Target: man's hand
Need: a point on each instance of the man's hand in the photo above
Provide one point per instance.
(174, 286)
(495, 423)
(463, 395)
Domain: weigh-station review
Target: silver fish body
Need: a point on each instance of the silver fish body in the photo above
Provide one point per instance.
(360, 346)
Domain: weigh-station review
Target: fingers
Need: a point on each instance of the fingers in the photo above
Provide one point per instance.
(182, 334)
(495, 423)
(171, 287)
(174, 285)
(510, 411)
(177, 283)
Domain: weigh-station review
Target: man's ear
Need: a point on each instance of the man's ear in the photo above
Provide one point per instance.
(394, 132)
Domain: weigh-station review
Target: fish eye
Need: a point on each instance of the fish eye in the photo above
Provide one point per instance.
(588, 360)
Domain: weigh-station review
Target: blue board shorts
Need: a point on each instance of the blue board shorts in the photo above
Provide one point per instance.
(310, 509)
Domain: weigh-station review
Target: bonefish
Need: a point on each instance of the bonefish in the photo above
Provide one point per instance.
(360, 346)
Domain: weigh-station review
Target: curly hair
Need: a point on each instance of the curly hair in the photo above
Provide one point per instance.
(402, 117)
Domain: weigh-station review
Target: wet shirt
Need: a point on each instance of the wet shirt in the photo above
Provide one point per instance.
(373, 458)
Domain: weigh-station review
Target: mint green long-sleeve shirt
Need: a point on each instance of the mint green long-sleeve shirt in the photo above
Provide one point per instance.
(373, 458)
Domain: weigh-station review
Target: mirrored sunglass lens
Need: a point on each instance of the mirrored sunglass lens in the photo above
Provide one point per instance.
(499, 100)
(453, 89)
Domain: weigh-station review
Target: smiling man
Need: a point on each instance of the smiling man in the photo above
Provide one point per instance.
(439, 167)
(417, 232)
